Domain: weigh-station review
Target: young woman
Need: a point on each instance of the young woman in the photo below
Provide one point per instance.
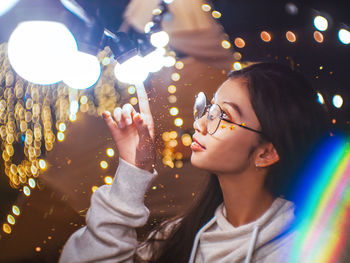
(253, 136)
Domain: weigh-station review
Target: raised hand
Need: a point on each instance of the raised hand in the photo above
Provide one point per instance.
(133, 132)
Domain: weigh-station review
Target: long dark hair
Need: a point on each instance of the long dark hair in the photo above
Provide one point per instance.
(289, 114)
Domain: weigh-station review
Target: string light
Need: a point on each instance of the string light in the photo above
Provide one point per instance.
(174, 111)
(291, 36)
(175, 76)
(318, 36)
(110, 152)
(239, 42)
(104, 164)
(172, 89)
(265, 36)
(108, 180)
(225, 44)
(178, 122)
(206, 7)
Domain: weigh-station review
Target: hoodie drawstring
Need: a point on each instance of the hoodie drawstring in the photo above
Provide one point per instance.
(252, 244)
(196, 240)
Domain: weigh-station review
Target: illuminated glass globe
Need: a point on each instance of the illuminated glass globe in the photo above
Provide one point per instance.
(82, 71)
(132, 71)
(39, 50)
(154, 61)
(160, 39)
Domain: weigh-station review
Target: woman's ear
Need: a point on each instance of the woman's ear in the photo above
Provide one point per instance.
(266, 155)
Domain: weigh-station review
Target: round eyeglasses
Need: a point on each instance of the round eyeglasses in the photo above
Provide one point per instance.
(215, 114)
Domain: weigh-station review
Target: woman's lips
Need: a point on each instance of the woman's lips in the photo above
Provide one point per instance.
(196, 146)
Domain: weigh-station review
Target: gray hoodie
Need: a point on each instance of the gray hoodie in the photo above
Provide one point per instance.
(116, 210)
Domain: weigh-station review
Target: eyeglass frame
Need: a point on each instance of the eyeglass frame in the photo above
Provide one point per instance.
(207, 109)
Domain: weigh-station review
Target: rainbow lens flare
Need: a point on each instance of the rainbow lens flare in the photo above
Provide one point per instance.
(325, 215)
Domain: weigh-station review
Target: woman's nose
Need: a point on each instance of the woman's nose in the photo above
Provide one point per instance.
(200, 125)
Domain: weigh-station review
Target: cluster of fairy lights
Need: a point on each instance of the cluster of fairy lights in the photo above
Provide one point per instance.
(33, 117)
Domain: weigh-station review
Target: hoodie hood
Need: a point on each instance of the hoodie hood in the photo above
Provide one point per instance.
(219, 241)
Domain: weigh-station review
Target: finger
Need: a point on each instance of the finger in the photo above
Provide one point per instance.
(117, 115)
(126, 113)
(142, 128)
(143, 100)
(111, 124)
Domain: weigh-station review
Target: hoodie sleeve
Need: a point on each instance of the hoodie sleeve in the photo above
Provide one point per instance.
(115, 211)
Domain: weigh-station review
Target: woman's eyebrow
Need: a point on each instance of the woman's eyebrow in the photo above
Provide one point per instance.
(234, 106)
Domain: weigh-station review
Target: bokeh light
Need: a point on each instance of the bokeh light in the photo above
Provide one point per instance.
(104, 164)
(206, 7)
(42, 164)
(172, 99)
(26, 190)
(225, 44)
(265, 36)
(344, 36)
(320, 98)
(60, 136)
(174, 111)
(172, 89)
(178, 122)
(15, 210)
(216, 14)
(321, 23)
(62, 127)
(133, 101)
(6, 228)
(108, 180)
(179, 65)
(83, 99)
(110, 152)
(94, 188)
(11, 220)
(239, 42)
(186, 139)
(291, 37)
(175, 76)
(131, 90)
(132, 71)
(318, 36)
(31, 183)
(237, 65)
(337, 101)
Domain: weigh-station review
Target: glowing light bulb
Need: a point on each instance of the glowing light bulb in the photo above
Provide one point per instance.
(82, 71)
(74, 107)
(225, 44)
(320, 23)
(132, 71)
(154, 61)
(344, 36)
(172, 89)
(39, 51)
(160, 39)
